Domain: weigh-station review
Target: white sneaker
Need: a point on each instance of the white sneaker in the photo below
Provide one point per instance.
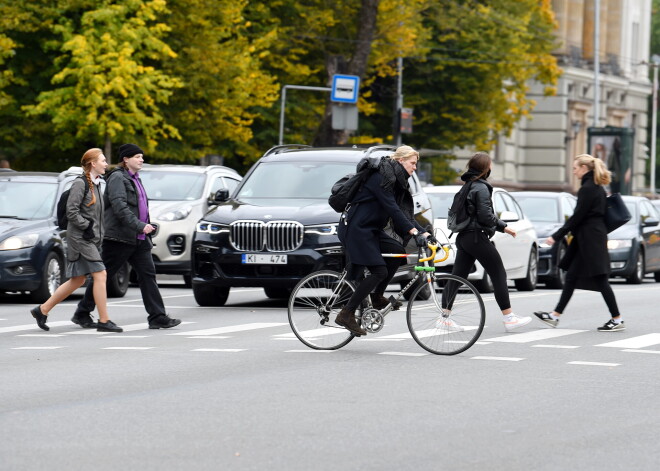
(448, 324)
(516, 322)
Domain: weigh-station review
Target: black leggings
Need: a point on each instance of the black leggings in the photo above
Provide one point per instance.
(477, 246)
(602, 283)
(380, 275)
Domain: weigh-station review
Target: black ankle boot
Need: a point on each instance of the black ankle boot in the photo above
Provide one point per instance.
(346, 318)
(40, 317)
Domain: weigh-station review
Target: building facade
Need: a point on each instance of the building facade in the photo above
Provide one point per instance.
(539, 152)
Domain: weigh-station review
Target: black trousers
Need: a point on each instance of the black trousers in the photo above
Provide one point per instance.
(379, 275)
(114, 255)
(475, 245)
(602, 282)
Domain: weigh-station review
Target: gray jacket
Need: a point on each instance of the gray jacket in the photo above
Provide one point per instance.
(79, 215)
(122, 223)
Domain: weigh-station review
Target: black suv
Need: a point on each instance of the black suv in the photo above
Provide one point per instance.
(278, 226)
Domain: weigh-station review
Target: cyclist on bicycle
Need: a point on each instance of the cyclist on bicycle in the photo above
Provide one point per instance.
(379, 220)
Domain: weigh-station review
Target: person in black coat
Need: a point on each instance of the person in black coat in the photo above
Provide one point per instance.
(380, 219)
(587, 260)
(473, 243)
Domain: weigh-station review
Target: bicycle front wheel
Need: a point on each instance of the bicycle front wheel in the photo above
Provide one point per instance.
(313, 306)
(451, 320)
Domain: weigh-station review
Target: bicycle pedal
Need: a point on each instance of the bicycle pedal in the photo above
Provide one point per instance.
(395, 304)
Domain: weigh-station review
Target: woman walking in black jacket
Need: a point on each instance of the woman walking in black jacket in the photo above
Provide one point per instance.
(473, 243)
(587, 260)
(379, 220)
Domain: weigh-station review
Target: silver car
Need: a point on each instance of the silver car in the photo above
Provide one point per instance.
(179, 195)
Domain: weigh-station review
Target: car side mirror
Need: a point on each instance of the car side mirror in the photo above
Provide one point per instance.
(509, 216)
(651, 221)
(220, 196)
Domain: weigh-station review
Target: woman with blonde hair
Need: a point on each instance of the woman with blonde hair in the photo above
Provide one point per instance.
(379, 220)
(587, 260)
(84, 211)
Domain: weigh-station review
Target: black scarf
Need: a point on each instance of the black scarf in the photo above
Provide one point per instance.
(392, 172)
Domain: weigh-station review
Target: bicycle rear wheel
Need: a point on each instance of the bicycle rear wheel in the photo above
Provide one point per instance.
(313, 308)
(453, 329)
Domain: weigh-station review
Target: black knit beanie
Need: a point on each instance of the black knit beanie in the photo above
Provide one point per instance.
(129, 150)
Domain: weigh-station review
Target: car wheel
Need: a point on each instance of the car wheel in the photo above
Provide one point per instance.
(210, 295)
(187, 280)
(118, 285)
(637, 275)
(485, 285)
(277, 293)
(560, 276)
(52, 277)
(529, 282)
(424, 293)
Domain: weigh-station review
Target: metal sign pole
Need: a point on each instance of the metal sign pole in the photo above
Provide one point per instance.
(283, 103)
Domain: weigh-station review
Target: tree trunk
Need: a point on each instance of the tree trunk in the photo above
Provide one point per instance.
(357, 65)
(108, 149)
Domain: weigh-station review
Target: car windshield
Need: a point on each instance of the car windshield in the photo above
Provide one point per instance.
(27, 200)
(440, 202)
(293, 180)
(539, 209)
(173, 185)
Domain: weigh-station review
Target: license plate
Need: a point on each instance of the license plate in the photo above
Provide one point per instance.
(262, 259)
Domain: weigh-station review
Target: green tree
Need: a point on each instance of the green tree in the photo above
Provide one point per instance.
(219, 61)
(107, 87)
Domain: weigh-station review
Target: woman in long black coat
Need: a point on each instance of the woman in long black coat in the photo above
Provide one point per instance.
(587, 260)
(379, 220)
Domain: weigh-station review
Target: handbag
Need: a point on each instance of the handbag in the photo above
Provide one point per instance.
(616, 214)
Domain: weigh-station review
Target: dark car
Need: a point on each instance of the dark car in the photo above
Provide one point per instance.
(634, 248)
(278, 226)
(548, 211)
(32, 247)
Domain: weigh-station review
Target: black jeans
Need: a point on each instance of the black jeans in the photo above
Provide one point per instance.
(475, 245)
(115, 254)
(602, 282)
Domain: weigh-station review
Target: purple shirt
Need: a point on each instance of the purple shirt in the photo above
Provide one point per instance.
(143, 206)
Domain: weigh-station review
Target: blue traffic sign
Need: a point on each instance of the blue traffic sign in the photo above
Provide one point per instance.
(345, 88)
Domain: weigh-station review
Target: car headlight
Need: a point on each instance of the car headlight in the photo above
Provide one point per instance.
(175, 215)
(322, 229)
(19, 242)
(619, 244)
(211, 227)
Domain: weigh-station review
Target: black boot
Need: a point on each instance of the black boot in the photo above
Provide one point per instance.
(40, 317)
(346, 318)
(378, 301)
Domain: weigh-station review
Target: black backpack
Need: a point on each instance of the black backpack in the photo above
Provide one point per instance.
(345, 189)
(457, 216)
(62, 220)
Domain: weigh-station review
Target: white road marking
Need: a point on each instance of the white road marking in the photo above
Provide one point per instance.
(127, 328)
(233, 328)
(321, 332)
(229, 350)
(40, 335)
(555, 346)
(592, 363)
(35, 348)
(404, 354)
(127, 348)
(120, 336)
(380, 339)
(634, 342)
(541, 334)
(33, 326)
(641, 351)
(497, 358)
(210, 337)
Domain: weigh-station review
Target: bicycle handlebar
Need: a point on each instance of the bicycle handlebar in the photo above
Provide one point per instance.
(434, 249)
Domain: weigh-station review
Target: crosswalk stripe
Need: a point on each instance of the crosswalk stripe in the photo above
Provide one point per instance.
(321, 332)
(228, 350)
(404, 354)
(18, 328)
(232, 328)
(497, 358)
(527, 337)
(592, 363)
(640, 341)
(36, 348)
(127, 328)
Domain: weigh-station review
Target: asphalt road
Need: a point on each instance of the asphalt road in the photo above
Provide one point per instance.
(231, 388)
